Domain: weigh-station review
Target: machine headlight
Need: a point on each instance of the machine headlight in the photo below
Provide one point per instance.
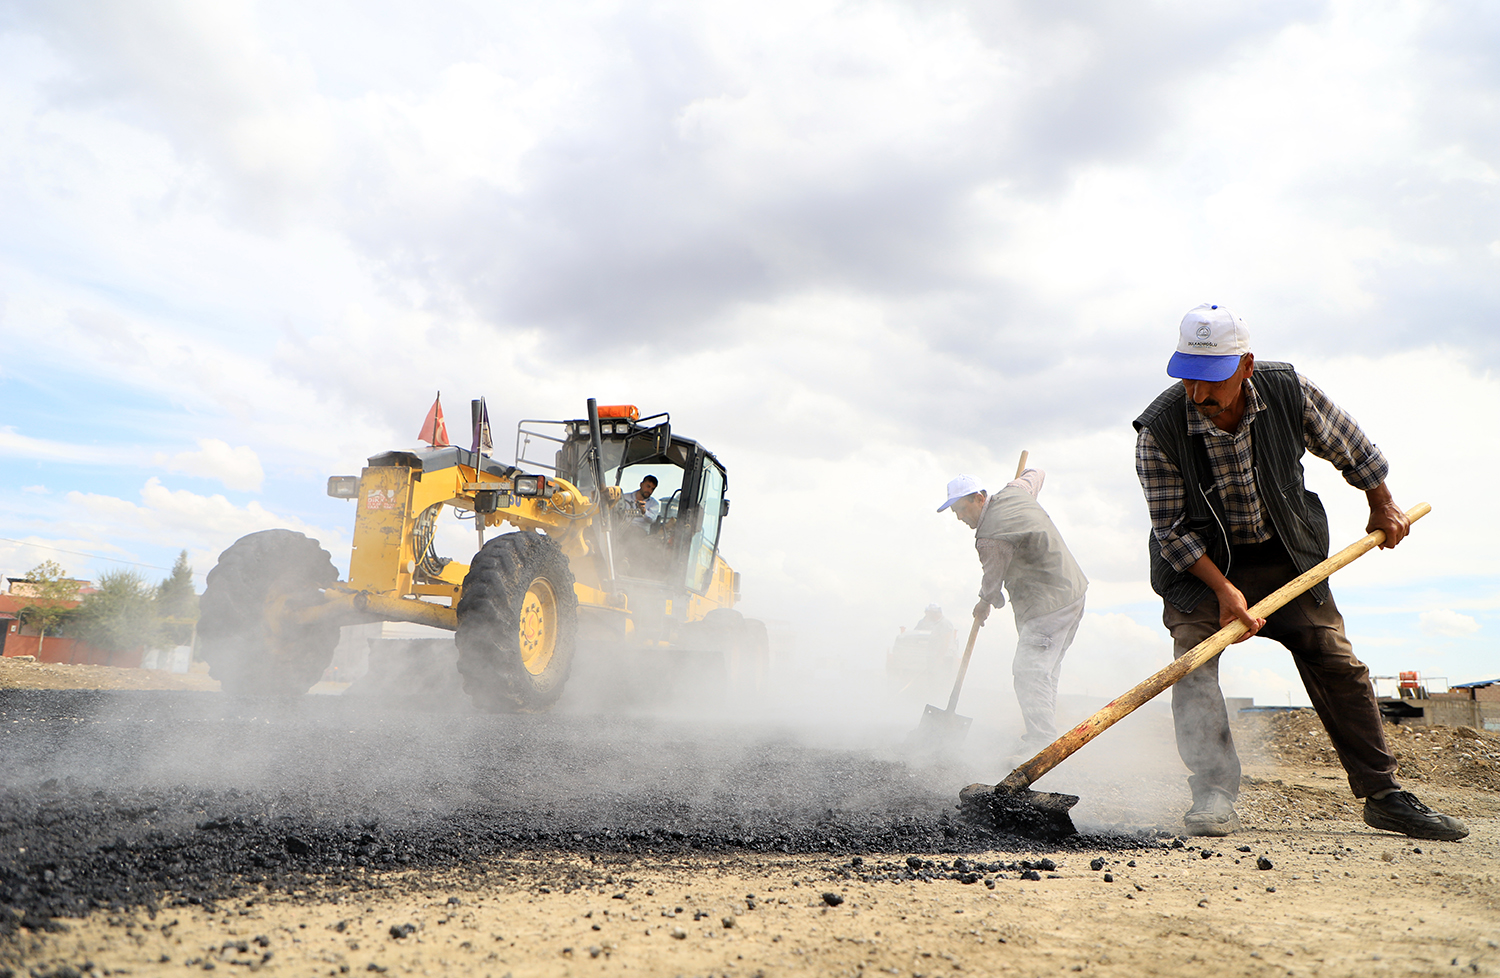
(343, 486)
(531, 485)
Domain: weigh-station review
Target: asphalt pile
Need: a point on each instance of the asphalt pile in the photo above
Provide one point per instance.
(117, 800)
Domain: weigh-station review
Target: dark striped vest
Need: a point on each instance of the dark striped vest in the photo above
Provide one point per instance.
(1277, 444)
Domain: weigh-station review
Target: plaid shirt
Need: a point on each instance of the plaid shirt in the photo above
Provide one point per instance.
(1328, 433)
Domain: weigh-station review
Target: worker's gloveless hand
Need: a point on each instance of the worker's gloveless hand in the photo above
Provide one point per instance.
(982, 611)
(1386, 515)
(1389, 517)
(1232, 607)
(1392, 521)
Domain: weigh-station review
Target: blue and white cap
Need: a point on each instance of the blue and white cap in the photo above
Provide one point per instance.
(1211, 343)
(959, 487)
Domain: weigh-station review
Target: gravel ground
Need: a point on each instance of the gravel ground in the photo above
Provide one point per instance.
(166, 832)
(116, 797)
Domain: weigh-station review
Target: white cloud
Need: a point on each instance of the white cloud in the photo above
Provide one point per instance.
(853, 248)
(38, 490)
(19, 556)
(164, 521)
(237, 468)
(16, 445)
(1395, 398)
(180, 513)
(1447, 623)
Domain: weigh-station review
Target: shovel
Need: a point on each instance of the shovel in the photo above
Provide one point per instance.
(945, 728)
(942, 728)
(1011, 806)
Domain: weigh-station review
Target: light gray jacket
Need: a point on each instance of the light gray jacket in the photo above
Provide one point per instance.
(1022, 550)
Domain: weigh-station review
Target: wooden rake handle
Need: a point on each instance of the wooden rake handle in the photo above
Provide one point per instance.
(1117, 709)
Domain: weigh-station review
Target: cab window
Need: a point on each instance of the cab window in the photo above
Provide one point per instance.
(700, 564)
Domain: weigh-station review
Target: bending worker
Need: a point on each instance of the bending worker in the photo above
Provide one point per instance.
(1219, 458)
(1022, 551)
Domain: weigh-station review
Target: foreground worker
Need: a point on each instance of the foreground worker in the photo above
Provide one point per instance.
(1231, 521)
(1022, 551)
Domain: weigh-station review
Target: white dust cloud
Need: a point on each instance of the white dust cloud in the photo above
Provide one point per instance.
(1447, 623)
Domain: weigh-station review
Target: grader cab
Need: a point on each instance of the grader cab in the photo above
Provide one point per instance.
(588, 561)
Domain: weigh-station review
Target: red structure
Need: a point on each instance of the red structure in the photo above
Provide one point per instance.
(16, 639)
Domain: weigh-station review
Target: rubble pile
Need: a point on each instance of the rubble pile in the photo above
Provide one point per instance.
(1435, 754)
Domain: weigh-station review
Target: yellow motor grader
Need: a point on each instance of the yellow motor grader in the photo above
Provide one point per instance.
(589, 561)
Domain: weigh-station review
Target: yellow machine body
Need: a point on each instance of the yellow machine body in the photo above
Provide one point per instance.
(394, 575)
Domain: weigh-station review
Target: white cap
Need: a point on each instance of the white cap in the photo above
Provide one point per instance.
(1210, 343)
(934, 609)
(958, 488)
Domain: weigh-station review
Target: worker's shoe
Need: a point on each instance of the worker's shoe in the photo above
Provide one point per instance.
(1212, 814)
(1400, 811)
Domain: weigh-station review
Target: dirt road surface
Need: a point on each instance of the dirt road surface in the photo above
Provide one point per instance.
(178, 831)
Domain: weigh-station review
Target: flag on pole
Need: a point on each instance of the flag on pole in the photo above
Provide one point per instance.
(481, 415)
(435, 429)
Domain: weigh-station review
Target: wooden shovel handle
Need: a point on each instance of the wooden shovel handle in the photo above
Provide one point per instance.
(963, 665)
(1063, 747)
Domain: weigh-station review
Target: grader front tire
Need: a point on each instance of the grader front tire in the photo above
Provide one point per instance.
(517, 624)
(243, 633)
(746, 648)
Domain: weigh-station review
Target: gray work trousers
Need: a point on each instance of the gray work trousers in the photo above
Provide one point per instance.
(1337, 683)
(1041, 643)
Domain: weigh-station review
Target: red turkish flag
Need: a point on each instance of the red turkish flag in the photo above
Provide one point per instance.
(435, 429)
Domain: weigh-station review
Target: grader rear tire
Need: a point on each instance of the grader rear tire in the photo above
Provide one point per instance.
(242, 633)
(517, 624)
(746, 648)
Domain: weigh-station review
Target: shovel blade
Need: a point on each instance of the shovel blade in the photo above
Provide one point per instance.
(1039, 815)
(941, 728)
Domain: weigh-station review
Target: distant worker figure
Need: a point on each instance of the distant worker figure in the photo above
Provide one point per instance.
(1020, 548)
(1219, 458)
(941, 630)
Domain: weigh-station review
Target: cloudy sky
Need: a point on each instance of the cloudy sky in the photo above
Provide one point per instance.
(855, 248)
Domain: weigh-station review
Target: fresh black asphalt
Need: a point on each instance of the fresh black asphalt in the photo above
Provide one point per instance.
(127, 798)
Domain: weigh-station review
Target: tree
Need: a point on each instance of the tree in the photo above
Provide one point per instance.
(51, 591)
(177, 603)
(121, 613)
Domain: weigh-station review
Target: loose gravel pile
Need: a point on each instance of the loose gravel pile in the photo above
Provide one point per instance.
(1427, 754)
(131, 799)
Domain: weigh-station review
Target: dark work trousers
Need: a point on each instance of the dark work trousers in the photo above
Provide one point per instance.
(1337, 683)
